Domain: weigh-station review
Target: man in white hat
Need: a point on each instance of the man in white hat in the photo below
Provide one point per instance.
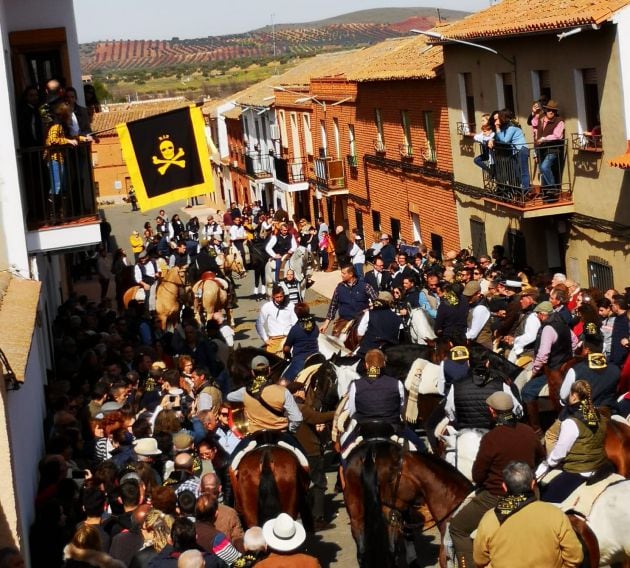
(284, 536)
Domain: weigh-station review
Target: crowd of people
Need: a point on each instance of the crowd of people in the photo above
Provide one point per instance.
(140, 428)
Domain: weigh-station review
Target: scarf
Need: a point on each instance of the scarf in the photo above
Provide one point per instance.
(506, 418)
(307, 324)
(258, 383)
(583, 412)
(511, 504)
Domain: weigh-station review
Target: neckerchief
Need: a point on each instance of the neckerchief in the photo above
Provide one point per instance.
(580, 411)
(307, 324)
(506, 419)
(511, 504)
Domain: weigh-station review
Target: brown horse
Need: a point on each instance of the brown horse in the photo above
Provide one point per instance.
(384, 484)
(168, 295)
(270, 481)
(617, 446)
(214, 298)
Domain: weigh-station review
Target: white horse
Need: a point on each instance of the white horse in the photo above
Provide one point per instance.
(462, 447)
(420, 327)
(609, 520)
(298, 262)
(329, 345)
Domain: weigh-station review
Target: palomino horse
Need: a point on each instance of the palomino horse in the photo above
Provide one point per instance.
(384, 483)
(270, 480)
(168, 294)
(210, 297)
(298, 262)
(231, 262)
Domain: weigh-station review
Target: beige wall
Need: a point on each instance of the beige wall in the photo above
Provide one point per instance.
(599, 190)
(9, 524)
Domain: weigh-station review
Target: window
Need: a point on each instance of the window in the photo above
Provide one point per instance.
(505, 91)
(406, 127)
(379, 143)
(323, 151)
(295, 136)
(600, 274)
(376, 221)
(395, 229)
(430, 154)
(541, 85)
(246, 129)
(437, 245)
(308, 137)
(587, 98)
(467, 100)
(516, 248)
(337, 141)
(352, 142)
(284, 139)
(358, 221)
(415, 225)
(478, 237)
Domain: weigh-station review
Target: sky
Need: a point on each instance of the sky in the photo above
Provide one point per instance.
(164, 19)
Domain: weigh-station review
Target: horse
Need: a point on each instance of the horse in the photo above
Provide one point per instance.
(210, 297)
(420, 327)
(231, 262)
(383, 484)
(298, 262)
(168, 296)
(270, 480)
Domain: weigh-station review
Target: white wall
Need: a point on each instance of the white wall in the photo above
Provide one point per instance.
(622, 19)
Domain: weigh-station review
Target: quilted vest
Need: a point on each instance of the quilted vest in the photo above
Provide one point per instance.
(471, 410)
(377, 399)
(587, 453)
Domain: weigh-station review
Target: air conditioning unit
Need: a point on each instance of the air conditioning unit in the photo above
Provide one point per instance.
(274, 131)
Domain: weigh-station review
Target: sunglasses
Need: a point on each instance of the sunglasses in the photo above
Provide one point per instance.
(224, 413)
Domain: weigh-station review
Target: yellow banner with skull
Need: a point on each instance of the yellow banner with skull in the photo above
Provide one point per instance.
(167, 157)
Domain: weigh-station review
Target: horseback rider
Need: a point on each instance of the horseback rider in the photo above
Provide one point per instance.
(466, 400)
(376, 397)
(280, 246)
(379, 326)
(267, 406)
(351, 298)
(553, 347)
(479, 326)
(275, 320)
(204, 262)
(508, 441)
(179, 258)
(146, 274)
(579, 451)
(596, 371)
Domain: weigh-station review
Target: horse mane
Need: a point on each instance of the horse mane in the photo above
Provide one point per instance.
(442, 469)
(479, 355)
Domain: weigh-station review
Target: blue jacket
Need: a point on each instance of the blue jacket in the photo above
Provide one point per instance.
(511, 135)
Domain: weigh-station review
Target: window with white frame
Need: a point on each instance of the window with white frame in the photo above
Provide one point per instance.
(467, 102)
(406, 127)
(295, 136)
(308, 137)
(352, 142)
(284, 139)
(337, 140)
(379, 143)
(541, 84)
(505, 91)
(323, 151)
(587, 98)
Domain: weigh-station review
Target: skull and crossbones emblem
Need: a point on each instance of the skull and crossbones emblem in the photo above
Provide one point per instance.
(169, 157)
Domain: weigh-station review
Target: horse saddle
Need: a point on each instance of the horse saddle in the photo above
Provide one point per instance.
(208, 275)
(268, 438)
(581, 500)
(342, 327)
(374, 431)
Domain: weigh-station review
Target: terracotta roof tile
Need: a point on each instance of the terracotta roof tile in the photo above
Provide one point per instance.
(622, 161)
(515, 17)
(396, 59)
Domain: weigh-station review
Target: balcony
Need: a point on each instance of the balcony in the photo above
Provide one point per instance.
(60, 197)
(406, 151)
(587, 142)
(514, 178)
(330, 176)
(291, 175)
(258, 167)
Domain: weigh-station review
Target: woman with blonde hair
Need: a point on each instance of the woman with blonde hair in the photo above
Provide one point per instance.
(86, 550)
(156, 531)
(579, 451)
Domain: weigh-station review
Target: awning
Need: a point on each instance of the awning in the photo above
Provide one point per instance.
(622, 161)
(18, 315)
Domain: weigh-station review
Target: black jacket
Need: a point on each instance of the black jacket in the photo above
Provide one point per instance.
(386, 280)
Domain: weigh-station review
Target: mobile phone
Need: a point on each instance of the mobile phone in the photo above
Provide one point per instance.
(78, 474)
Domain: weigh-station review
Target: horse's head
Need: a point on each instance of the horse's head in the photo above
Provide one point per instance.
(324, 395)
(175, 275)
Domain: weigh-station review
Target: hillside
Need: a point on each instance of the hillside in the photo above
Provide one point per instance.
(342, 32)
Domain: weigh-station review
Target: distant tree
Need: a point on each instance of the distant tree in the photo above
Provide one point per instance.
(102, 94)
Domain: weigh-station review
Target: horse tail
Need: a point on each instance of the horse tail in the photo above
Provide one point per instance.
(375, 533)
(268, 496)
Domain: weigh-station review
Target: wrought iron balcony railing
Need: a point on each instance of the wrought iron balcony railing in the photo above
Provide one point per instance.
(330, 173)
(466, 128)
(258, 166)
(290, 171)
(587, 142)
(58, 184)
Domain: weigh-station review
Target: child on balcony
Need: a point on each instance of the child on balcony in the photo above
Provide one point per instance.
(484, 160)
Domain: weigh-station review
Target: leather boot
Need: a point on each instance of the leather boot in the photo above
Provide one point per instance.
(533, 416)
